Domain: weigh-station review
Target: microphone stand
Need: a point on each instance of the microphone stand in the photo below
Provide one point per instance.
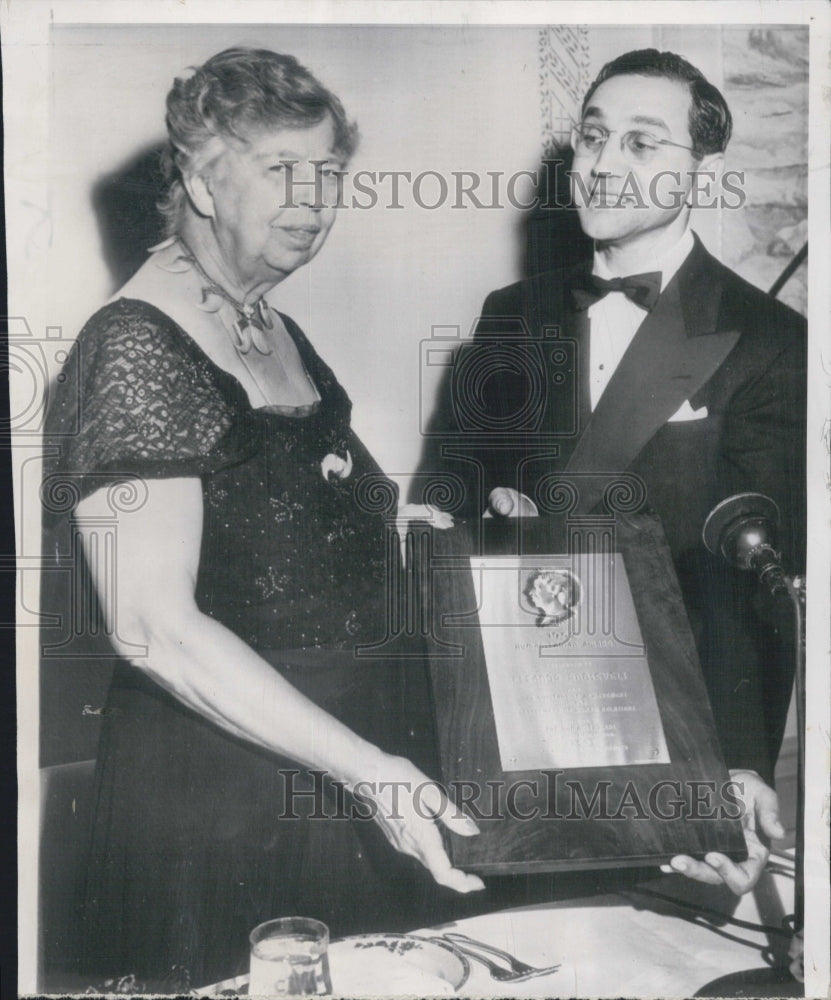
(741, 530)
(796, 591)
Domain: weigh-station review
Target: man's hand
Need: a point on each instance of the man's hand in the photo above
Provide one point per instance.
(505, 502)
(761, 817)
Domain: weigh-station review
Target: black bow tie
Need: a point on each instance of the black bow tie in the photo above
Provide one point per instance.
(642, 289)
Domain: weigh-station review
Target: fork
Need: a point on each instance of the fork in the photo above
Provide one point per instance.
(518, 970)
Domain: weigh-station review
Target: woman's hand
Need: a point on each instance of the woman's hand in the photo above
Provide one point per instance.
(409, 512)
(422, 512)
(407, 806)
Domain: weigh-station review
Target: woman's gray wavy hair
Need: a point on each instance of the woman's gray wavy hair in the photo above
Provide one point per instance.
(234, 94)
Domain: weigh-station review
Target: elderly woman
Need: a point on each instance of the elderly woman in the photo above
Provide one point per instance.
(244, 581)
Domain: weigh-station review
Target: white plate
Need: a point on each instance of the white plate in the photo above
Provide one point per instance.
(369, 965)
(395, 965)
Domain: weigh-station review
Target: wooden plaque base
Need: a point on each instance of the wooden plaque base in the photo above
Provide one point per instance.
(567, 818)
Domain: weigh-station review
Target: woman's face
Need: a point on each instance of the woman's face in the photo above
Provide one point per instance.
(270, 218)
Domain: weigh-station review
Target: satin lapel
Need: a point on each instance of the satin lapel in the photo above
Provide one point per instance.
(667, 362)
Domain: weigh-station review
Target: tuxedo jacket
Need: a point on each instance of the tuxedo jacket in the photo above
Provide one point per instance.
(708, 400)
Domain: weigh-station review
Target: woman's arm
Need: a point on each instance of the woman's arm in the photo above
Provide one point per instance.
(209, 669)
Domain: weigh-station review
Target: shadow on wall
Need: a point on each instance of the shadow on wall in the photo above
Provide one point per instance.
(550, 239)
(125, 205)
(75, 670)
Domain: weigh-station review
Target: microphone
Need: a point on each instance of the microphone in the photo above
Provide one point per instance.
(742, 530)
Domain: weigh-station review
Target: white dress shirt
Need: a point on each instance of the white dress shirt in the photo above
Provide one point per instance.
(614, 320)
(613, 323)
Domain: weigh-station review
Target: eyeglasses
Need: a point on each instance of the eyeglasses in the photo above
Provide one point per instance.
(636, 146)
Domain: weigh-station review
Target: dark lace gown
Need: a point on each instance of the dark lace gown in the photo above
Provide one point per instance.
(194, 839)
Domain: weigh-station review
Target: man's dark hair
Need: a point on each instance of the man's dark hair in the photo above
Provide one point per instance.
(711, 123)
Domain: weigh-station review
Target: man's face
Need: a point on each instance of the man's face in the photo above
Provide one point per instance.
(629, 196)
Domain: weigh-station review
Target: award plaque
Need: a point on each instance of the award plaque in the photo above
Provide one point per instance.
(572, 718)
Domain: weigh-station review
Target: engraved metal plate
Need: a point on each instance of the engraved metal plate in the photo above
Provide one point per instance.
(566, 663)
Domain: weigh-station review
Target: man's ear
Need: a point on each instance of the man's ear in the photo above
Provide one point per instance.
(712, 163)
(199, 189)
(710, 168)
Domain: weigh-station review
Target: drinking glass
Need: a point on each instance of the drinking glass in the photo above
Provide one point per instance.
(289, 957)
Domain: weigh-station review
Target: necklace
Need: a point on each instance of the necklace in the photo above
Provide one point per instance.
(248, 330)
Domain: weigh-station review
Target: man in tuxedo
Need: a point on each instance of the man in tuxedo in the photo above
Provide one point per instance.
(685, 379)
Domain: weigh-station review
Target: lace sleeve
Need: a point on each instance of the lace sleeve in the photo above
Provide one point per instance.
(137, 399)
